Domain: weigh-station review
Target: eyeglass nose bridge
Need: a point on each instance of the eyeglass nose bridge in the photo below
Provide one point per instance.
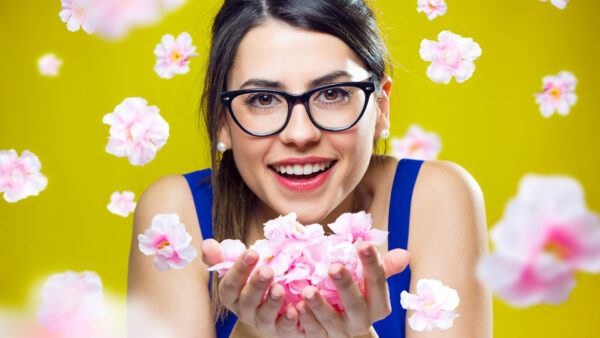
(292, 101)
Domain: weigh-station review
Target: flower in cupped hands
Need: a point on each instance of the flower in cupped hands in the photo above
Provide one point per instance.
(453, 55)
(168, 240)
(545, 235)
(137, 131)
(558, 94)
(72, 303)
(20, 177)
(432, 8)
(121, 203)
(560, 4)
(48, 64)
(173, 55)
(300, 255)
(417, 144)
(434, 305)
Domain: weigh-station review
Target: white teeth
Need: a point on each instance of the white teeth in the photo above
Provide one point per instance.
(299, 169)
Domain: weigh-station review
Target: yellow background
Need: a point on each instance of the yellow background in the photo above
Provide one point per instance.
(490, 125)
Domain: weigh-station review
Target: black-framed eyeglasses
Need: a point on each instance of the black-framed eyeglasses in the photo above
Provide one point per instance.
(332, 107)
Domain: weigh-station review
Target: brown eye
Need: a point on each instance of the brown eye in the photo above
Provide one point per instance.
(265, 100)
(331, 94)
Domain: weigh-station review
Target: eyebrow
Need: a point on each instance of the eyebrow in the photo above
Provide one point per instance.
(314, 83)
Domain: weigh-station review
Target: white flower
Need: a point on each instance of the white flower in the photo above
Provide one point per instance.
(121, 204)
(172, 55)
(453, 55)
(48, 64)
(20, 177)
(558, 94)
(434, 304)
(432, 8)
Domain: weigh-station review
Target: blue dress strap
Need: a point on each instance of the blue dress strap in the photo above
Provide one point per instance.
(199, 182)
(398, 224)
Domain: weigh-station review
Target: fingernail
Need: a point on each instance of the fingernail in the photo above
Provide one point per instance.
(338, 273)
(274, 296)
(312, 296)
(262, 277)
(368, 251)
(249, 258)
(288, 315)
(302, 310)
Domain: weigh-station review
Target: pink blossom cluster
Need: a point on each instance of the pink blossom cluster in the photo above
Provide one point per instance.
(417, 144)
(452, 55)
(545, 235)
(168, 240)
(173, 55)
(434, 305)
(137, 131)
(113, 19)
(558, 94)
(432, 8)
(300, 255)
(20, 177)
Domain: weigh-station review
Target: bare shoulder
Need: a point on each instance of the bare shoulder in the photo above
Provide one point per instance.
(447, 238)
(175, 296)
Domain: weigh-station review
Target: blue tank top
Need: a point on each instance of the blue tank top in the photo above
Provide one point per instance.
(398, 222)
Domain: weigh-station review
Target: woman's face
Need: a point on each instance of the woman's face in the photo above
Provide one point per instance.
(294, 58)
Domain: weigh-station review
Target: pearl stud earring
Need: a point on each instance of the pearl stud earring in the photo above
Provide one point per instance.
(385, 134)
(221, 147)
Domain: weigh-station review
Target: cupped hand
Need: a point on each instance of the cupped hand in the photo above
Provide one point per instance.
(320, 319)
(244, 296)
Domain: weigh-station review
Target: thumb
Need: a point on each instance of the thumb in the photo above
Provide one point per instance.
(211, 252)
(395, 261)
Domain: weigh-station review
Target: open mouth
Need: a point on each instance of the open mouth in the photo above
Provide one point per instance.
(302, 172)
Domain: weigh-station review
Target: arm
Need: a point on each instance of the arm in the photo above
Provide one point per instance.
(448, 236)
(175, 302)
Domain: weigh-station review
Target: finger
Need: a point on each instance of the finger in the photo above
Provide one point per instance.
(355, 306)
(311, 325)
(252, 294)
(231, 284)
(395, 261)
(268, 311)
(377, 295)
(287, 324)
(211, 252)
(329, 318)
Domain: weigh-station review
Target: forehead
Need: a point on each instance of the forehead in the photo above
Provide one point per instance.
(280, 52)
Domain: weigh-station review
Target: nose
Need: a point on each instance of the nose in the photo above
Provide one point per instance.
(300, 130)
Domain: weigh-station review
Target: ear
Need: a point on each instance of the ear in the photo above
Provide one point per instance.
(224, 135)
(383, 105)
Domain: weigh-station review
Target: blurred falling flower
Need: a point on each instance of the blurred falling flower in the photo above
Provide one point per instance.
(417, 144)
(76, 13)
(172, 55)
(72, 303)
(432, 8)
(453, 55)
(170, 242)
(171, 5)
(434, 304)
(545, 234)
(137, 131)
(121, 204)
(558, 94)
(561, 4)
(48, 64)
(20, 177)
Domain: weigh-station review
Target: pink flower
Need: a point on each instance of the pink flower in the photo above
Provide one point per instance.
(48, 64)
(137, 131)
(561, 4)
(72, 303)
(545, 234)
(434, 304)
(432, 8)
(115, 18)
(356, 228)
(301, 255)
(121, 204)
(232, 249)
(172, 56)
(170, 242)
(453, 55)
(558, 94)
(76, 14)
(417, 144)
(20, 177)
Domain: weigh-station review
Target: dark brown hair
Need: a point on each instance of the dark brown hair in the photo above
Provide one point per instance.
(352, 21)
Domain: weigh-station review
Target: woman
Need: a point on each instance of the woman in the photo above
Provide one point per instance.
(276, 151)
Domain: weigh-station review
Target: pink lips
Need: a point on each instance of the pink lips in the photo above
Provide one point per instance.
(307, 184)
